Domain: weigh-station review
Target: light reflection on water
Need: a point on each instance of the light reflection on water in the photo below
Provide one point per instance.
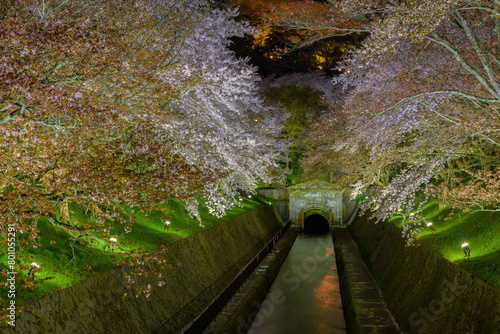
(305, 296)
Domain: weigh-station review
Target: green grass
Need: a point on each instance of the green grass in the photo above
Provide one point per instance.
(264, 199)
(481, 230)
(64, 262)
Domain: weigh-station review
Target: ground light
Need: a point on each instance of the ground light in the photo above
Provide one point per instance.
(429, 225)
(112, 245)
(167, 225)
(33, 269)
(466, 249)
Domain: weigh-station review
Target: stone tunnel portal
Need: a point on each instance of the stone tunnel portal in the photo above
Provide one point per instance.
(315, 197)
(316, 224)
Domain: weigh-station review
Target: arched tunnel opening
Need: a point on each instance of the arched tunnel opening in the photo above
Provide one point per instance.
(316, 224)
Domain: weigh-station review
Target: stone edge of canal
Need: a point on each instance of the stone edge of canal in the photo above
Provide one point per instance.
(240, 311)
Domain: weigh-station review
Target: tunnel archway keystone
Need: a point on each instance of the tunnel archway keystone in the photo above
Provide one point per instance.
(315, 197)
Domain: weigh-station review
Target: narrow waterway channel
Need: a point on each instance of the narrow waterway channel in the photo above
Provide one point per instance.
(305, 296)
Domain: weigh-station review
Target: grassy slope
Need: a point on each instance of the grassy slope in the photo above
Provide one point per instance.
(481, 230)
(58, 269)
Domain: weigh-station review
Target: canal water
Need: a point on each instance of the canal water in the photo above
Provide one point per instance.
(305, 296)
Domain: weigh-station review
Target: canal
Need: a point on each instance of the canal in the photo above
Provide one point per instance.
(305, 296)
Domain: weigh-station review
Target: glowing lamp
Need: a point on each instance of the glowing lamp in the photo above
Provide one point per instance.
(113, 239)
(167, 225)
(33, 269)
(466, 249)
(429, 225)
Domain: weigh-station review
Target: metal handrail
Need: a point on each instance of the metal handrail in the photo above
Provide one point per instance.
(206, 317)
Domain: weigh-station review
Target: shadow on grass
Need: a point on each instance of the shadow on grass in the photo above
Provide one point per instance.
(481, 231)
(66, 262)
(485, 266)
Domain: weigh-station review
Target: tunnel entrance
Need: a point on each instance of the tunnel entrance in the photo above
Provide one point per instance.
(316, 224)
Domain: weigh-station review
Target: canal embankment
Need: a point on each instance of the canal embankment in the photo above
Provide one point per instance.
(242, 310)
(364, 307)
(425, 292)
(200, 268)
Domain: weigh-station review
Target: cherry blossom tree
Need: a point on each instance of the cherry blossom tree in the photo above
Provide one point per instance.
(221, 122)
(385, 21)
(119, 102)
(422, 108)
(316, 80)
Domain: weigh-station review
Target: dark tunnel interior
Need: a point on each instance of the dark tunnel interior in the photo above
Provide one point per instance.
(316, 224)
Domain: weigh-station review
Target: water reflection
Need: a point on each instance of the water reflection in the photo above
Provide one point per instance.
(305, 296)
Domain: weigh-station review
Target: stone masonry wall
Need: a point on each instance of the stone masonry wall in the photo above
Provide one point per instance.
(209, 261)
(425, 292)
(364, 308)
